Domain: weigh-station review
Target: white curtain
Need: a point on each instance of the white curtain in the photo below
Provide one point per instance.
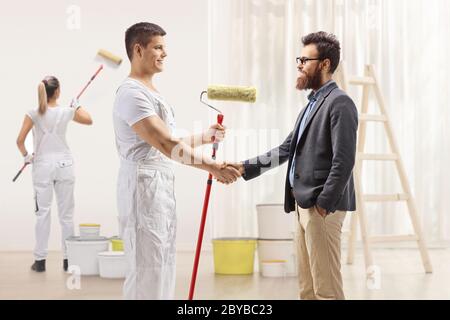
(255, 42)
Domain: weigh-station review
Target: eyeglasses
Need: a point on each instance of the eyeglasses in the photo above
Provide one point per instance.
(304, 60)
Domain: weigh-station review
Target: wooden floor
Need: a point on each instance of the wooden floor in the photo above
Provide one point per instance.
(402, 277)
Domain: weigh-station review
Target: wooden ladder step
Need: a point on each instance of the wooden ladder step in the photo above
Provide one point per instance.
(385, 197)
(377, 156)
(393, 238)
(372, 117)
(361, 80)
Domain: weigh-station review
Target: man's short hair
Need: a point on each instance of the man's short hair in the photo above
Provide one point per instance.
(142, 34)
(327, 45)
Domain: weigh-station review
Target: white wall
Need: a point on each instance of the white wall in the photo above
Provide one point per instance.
(36, 42)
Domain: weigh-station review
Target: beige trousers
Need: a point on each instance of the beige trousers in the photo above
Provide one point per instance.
(319, 255)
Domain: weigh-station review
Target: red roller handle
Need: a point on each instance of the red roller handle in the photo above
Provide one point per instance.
(92, 78)
(202, 222)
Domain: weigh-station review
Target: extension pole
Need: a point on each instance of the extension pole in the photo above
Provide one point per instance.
(203, 220)
(92, 78)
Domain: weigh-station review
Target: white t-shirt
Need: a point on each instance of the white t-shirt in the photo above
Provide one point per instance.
(134, 102)
(47, 121)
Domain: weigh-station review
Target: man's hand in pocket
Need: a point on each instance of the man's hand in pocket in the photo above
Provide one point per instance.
(321, 211)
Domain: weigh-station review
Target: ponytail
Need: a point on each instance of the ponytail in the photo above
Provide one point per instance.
(46, 90)
(42, 96)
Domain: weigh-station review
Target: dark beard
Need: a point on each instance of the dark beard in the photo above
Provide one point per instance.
(312, 82)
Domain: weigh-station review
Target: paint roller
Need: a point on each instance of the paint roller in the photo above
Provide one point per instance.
(109, 56)
(224, 93)
(231, 93)
(227, 93)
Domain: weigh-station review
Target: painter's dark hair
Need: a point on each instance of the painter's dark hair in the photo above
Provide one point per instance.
(142, 34)
(327, 45)
(46, 91)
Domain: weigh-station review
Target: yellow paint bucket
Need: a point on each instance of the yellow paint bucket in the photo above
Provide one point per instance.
(234, 255)
(117, 244)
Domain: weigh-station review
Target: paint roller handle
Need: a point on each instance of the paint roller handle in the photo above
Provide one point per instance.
(97, 72)
(220, 119)
(20, 171)
(215, 144)
(92, 78)
(203, 220)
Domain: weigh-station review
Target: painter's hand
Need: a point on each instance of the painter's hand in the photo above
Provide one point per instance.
(215, 133)
(75, 103)
(28, 158)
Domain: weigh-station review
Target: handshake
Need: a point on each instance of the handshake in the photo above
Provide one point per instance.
(227, 173)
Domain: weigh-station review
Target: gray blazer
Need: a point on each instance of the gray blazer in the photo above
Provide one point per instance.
(325, 155)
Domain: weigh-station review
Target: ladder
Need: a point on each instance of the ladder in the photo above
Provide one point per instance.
(369, 82)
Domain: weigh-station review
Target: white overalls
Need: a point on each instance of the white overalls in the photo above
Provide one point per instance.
(147, 214)
(52, 169)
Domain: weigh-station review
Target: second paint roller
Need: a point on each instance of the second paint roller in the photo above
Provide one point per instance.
(110, 56)
(225, 93)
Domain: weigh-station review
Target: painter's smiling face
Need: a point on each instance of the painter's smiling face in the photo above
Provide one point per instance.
(154, 55)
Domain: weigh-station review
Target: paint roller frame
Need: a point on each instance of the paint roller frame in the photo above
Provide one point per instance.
(206, 104)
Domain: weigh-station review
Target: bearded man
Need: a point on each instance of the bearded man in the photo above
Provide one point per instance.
(319, 182)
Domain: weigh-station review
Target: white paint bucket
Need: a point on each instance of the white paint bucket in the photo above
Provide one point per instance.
(112, 264)
(269, 250)
(83, 253)
(274, 268)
